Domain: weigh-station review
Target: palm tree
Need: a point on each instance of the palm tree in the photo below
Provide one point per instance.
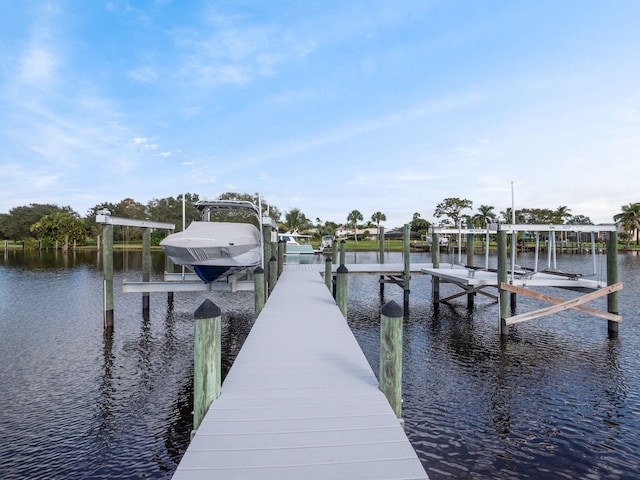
(377, 218)
(485, 215)
(354, 217)
(629, 219)
(562, 213)
(295, 220)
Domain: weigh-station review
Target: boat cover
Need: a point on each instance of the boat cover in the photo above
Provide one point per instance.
(214, 249)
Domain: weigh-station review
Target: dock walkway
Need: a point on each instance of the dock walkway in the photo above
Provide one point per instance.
(301, 400)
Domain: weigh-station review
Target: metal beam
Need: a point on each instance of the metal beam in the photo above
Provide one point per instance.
(131, 222)
(159, 287)
(525, 227)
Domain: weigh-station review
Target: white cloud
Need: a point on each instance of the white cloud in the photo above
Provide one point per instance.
(143, 74)
(38, 64)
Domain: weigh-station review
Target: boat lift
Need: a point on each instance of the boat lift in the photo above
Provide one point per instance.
(512, 278)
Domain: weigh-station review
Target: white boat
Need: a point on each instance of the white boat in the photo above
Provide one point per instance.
(216, 249)
(293, 246)
(326, 242)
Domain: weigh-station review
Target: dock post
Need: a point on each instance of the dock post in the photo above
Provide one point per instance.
(470, 262)
(273, 273)
(503, 328)
(266, 252)
(612, 277)
(207, 360)
(107, 272)
(406, 243)
(146, 265)
(281, 246)
(341, 289)
(390, 373)
(328, 277)
(274, 253)
(334, 250)
(343, 251)
(169, 267)
(435, 260)
(258, 282)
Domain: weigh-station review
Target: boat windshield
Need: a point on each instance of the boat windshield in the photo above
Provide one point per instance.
(235, 211)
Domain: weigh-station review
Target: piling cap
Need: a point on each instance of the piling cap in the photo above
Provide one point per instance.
(208, 309)
(392, 309)
(342, 269)
(258, 270)
(328, 260)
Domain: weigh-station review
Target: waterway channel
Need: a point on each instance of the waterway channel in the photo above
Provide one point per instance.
(557, 399)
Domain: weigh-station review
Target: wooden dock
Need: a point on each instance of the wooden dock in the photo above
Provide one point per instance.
(301, 400)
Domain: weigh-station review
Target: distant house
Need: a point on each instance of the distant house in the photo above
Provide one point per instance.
(348, 232)
(398, 233)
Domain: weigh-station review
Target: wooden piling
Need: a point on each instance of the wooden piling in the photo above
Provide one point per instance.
(503, 329)
(169, 267)
(341, 288)
(470, 262)
(390, 373)
(334, 251)
(266, 252)
(273, 273)
(258, 283)
(406, 244)
(281, 248)
(207, 359)
(146, 265)
(107, 272)
(343, 251)
(612, 277)
(328, 276)
(435, 260)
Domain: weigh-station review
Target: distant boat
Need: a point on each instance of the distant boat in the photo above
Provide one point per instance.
(293, 246)
(326, 242)
(216, 249)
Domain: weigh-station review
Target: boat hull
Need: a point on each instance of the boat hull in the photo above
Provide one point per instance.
(215, 249)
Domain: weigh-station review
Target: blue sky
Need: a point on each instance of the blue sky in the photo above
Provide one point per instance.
(326, 106)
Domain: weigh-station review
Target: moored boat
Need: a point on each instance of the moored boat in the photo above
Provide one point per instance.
(216, 249)
(293, 246)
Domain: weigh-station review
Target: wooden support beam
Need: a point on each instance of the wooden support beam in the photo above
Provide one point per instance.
(395, 279)
(564, 305)
(557, 301)
(469, 291)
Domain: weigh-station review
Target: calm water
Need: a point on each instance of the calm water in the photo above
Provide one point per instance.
(558, 399)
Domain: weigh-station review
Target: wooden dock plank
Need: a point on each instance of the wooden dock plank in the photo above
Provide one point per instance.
(301, 400)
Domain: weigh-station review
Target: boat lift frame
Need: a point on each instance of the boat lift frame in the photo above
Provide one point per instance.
(514, 279)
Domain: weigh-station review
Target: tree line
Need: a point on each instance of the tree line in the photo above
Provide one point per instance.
(49, 223)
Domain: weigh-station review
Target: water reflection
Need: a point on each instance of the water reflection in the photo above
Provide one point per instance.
(557, 399)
